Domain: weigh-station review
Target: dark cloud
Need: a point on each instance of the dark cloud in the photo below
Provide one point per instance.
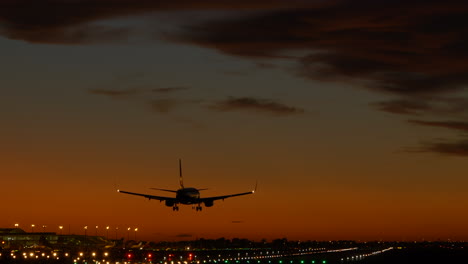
(74, 22)
(454, 125)
(451, 148)
(114, 93)
(405, 107)
(169, 89)
(395, 46)
(433, 105)
(414, 51)
(255, 104)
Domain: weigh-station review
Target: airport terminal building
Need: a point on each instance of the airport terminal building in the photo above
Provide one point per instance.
(17, 238)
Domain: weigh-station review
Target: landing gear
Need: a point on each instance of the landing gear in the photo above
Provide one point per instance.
(175, 208)
(198, 208)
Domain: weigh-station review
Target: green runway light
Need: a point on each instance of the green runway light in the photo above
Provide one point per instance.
(324, 261)
(302, 261)
(280, 261)
(313, 261)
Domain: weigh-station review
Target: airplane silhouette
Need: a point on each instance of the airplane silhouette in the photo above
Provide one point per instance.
(189, 196)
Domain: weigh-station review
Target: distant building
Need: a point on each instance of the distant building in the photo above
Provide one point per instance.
(17, 238)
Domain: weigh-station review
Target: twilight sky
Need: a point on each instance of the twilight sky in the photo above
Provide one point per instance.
(351, 114)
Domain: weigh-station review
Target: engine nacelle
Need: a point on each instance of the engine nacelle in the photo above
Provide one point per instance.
(209, 203)
(169, 203)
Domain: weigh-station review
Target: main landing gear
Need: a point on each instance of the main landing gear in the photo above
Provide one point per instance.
(175, 208)
(197, 208)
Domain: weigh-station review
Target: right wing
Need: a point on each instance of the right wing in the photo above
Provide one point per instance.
(150, 197)
(214, 198)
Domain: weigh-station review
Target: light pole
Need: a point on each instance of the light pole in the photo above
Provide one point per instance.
(60, 227)
(96, 230)
(43, 228)
(107, 232)
(32, 228)
(116, 229)
(85, 237)
(128, 233)
(16, 225)
(136, 229)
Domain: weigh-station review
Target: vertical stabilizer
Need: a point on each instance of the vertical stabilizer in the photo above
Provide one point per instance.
(181, 180)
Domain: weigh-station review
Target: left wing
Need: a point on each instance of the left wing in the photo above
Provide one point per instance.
(154, 197)
(224, 196)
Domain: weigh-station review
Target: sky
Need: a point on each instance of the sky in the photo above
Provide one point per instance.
(352, 116)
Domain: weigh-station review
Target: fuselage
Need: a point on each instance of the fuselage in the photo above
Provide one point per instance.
(188, 196)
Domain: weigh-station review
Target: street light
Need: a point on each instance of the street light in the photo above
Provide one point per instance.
(116, 229)
(96, 230)
(32, 228)
(43, 228)
(16, 225)
(86, 238)
(107, 232)
(136, 229)
(128, 233)
(60, 227)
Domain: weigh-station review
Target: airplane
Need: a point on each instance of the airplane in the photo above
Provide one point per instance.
(189, 195)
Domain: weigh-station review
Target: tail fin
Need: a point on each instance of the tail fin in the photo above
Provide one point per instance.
(181, 180)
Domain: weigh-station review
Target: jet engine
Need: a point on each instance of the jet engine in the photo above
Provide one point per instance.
(209, 203)
(169, 203)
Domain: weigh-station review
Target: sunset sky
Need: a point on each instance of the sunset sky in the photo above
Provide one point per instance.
(352, 115)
